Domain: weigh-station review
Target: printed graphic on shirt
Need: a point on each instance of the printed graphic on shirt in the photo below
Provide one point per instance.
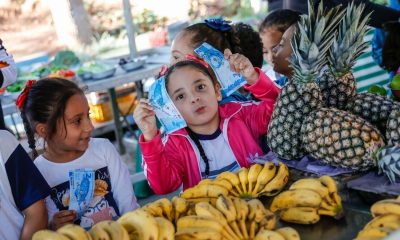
(102, 207)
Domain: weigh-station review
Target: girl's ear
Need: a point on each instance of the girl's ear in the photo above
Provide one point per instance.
(41, 130)
(218, 93)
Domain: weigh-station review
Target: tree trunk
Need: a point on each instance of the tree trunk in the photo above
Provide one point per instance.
(71, 22)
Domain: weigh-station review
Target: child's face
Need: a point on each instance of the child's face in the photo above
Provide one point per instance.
(270, 38)
(282, 52)
(78, 128)
(196, 98)
(181, 46)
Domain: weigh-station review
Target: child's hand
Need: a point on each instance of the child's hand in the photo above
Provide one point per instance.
(145, 119)
(62, 218)
(242, 65)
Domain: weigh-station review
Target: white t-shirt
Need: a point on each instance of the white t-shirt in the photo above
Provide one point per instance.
(21, 185)
(220, 155)
(102, 157)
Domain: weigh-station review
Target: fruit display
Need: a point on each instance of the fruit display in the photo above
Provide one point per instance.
(67, 74)
(393, 128)
(341, 139)
(307, 199)
(388, 161)
(301, 95)
(373, 108)
(337, 83)
(67, 232)
(386, 220)
(258, 180)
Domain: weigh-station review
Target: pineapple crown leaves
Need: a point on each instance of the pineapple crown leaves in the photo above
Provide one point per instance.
(349, 44)
(312, 40)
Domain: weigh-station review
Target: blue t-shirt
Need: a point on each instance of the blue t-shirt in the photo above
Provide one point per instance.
(27, 184)
(281, 81)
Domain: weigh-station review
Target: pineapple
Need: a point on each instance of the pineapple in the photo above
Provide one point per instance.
(337, 82)
(388, 161)
(393, 128)
(340, 139)
(373, 108)
(301, 95)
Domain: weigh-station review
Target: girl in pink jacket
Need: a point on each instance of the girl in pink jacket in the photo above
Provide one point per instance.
(217, 138)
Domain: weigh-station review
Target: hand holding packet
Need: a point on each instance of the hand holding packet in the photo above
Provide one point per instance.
(164, 108)
(230, 81)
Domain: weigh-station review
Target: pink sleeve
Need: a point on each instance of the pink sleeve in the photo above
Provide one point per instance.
(264, 88)
(162, 170)
(258, 114)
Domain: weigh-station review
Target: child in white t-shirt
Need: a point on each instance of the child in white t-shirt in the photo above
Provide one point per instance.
(57, 110)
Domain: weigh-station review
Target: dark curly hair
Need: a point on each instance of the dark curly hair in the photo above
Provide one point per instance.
(280, 19)
(242, 38)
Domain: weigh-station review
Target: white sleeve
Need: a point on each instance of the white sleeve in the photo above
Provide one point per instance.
(121, 184)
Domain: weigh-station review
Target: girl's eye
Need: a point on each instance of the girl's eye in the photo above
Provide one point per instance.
(201, 86)
(179, 97)
(77, 121)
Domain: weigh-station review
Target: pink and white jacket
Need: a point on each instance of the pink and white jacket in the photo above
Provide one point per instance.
(174, 160)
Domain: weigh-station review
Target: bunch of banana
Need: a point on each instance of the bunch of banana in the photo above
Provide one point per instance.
(230, 218)
(307, 199)
(67, 232)
(386, 219)
(141, 225)
(286, 233)
(160, 208)
(108, 230)
(258, 180)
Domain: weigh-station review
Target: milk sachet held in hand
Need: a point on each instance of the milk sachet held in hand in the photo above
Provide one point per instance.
(165, 110)
(229, 80)
(81, 189)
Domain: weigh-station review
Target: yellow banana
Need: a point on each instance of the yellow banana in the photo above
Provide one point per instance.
(329, 182)
(226, 206)
(226, 184)
(300, 215)
(289, 233)
(140, 225)
(386, 206)
(114, 229)
(254, 171)
(211, 200)
(49, 235)
(278, 182)
(153, 209)
(98, 233)
(267, 174)
(243, 177)
(166, 229)
(73, 232)
(378, 232)
(389, 221)
(197, 233)
(167, 208)
(199, 221)
(311, 184)
(180, 206)
(207, 190)
(268, 234)
(269, 222)
(207, 210)
(296, 198)
(242, 211)
(233, 178)
(257, 213)
(206, 181)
